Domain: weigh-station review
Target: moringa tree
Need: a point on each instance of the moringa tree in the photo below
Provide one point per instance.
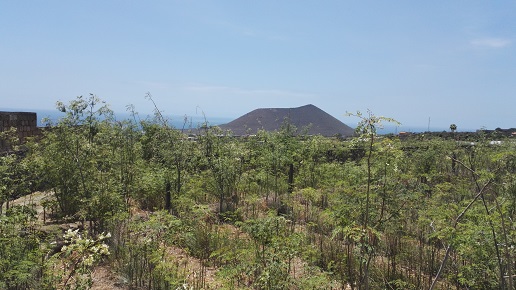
(365, 233)
(77, 161)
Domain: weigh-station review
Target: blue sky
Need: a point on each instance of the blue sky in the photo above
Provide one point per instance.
(450, 61)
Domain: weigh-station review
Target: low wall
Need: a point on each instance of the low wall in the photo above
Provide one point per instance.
(24, 122)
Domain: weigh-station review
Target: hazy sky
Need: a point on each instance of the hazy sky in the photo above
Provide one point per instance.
(450, 61)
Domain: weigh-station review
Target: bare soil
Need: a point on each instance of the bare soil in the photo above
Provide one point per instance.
(33, 200)
(104, 278)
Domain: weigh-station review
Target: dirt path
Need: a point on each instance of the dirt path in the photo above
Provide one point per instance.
(33, 200)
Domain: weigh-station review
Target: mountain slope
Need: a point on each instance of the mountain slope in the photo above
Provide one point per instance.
(270, 119)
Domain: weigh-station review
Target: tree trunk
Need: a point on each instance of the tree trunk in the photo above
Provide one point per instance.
(168, 196)
(291, 179)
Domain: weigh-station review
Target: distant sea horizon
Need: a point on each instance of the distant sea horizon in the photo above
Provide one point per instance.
(178, 121)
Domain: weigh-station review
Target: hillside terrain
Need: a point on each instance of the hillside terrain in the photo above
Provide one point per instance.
(100, 203)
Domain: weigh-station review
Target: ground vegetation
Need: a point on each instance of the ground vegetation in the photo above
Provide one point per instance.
(160, 208)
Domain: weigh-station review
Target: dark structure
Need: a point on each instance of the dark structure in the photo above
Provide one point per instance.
(24, 122)
(499, 132)
(317, 121)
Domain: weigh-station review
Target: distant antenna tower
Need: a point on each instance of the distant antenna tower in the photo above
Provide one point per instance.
(428, 130)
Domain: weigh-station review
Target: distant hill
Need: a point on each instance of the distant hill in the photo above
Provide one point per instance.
(270, 119)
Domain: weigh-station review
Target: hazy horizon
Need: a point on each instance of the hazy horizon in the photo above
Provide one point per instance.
(194, 120)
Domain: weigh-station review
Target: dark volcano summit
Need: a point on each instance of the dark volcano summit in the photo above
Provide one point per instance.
(316, 120)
